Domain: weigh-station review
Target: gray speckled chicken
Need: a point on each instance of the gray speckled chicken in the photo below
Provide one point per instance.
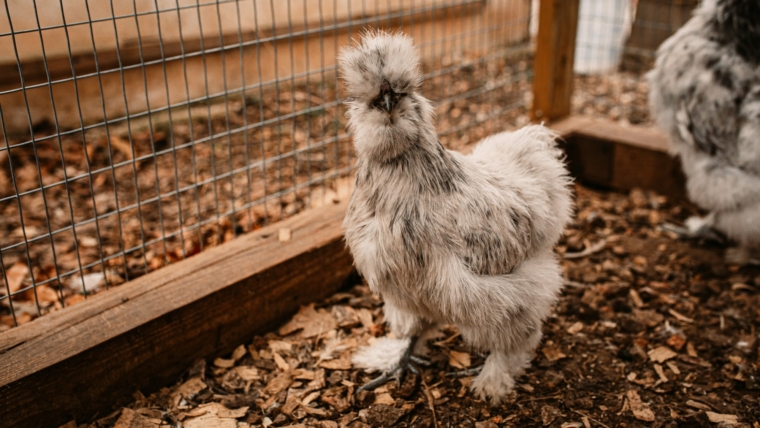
(705, 92)
(447, 238)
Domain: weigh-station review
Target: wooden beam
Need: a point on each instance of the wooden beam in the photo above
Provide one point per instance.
(81, 361)
(553, 64)
(603, 153)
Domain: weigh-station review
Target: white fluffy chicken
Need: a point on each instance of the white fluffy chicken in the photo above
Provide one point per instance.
(447, 238)
(705, 92)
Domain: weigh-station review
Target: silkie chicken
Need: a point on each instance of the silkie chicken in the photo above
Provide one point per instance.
(446, 238)
(705, 93)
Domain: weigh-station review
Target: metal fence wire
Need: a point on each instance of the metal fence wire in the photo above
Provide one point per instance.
(138, 133)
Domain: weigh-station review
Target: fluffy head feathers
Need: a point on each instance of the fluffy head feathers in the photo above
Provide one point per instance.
(381, 56)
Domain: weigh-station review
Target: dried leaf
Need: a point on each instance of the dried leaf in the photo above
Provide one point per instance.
(385, 399)
(279, 383)
(676, 342)
(247, 373)
(281, 364)
(342, 363)
(641, 410)
(280, 346)
(718, 417)
(290, 404)
(680, 317)
(239, 353)
(698, 405)
(131, 419)
(575, 328)
(16, 275)
(673, 367)
(647, 317)
(660, 372)
(365, 316)
(636, 298)
(460, 360)
(224, 363)
(188, 389)
(46, 294)
(310, 322)
(210, 420)
(690, 350)
(305, 374)
(311, 397)
(552, 353)
(661, 354)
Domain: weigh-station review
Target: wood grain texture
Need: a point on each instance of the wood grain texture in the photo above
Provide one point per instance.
(75, 363)
(553, 64)
(606, 154)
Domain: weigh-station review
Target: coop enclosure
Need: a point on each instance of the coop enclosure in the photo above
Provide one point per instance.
(138, 135)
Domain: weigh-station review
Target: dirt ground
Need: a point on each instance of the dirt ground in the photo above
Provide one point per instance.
(650, 331)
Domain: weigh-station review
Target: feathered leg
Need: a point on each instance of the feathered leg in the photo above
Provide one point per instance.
(393, 357)
(405, 364)
(697, 228)
(497, 377)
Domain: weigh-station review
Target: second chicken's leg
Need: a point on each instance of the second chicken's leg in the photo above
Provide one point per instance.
(406, 363)
(697, 228)
(472, 371)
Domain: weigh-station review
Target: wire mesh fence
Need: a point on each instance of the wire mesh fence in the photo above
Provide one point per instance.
(138, 133)
(616, 44)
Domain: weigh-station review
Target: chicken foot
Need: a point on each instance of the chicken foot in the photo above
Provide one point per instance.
(472, 371)
(696, 228)
(405, 364)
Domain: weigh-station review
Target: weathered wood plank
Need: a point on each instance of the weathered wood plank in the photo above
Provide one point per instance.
(553, 64)
(142, 335)
(606, 154)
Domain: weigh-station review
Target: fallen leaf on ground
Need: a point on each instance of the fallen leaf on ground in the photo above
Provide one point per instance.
(676, 342)
(460, 360)
(280, 383)
(280, 346)
(342, 363)
(680, 317)
(224, 363)
(310, 322)
(281, 363)
(661, 354)
(247, 373)
(575, 328)
(553, 354)
(719, 417)
(188, 389)
(131, 419)
(16, 275)
(641, 410)
(385, 399)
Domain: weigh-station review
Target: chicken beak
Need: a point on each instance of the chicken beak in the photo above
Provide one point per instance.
(388, 104)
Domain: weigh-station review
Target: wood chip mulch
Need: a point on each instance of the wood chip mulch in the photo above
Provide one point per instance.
(650, 331)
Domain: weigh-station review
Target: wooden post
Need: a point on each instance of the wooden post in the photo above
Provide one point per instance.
(553, 64)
